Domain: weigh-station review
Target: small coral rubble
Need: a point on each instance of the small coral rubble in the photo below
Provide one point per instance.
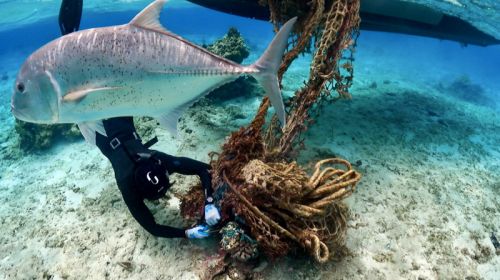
(237, 243)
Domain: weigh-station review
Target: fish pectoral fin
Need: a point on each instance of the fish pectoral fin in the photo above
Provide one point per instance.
(89, 129)
(149, 17)
(170, 120)
(78, 95)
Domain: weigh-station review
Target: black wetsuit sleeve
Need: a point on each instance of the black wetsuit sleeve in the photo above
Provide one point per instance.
(188, 166)
(143, 215)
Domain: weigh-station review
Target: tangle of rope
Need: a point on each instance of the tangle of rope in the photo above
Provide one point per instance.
(297, 198)
(335, 26)
(281, 204)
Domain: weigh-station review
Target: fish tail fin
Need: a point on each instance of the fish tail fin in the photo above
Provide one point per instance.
(267, 66)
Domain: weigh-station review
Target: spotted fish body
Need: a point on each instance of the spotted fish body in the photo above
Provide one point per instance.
(137, 69)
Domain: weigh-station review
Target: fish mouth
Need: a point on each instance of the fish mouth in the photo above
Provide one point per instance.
(14, 112)
(22, 116)
(18, 114)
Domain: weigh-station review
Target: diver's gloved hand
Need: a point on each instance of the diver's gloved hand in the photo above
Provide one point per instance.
(212, 215)
(198, 232)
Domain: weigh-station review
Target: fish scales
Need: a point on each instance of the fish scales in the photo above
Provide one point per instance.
(135, 60)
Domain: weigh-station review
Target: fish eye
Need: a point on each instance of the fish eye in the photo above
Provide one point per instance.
(20, 87)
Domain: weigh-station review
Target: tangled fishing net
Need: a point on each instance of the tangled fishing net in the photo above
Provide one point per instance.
(256, 181)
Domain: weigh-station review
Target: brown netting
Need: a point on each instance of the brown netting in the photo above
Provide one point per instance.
(334, 27)
(283, 206)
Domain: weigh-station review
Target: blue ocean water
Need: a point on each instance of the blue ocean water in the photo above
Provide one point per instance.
(429, 153)
(424, 58)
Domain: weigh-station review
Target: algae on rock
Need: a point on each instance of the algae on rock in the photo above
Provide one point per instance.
(232, 46)
(41, 136)
(145, 127)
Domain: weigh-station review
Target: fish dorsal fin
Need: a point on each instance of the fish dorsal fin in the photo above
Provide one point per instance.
(150, 17)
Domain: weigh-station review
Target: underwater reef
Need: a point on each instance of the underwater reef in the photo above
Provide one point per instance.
(36, 137)
(33, 137)
(232, 46)
(243, 86)
(464, 89)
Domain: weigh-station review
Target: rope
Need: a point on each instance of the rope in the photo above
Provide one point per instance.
(279, 202)
(293, 200)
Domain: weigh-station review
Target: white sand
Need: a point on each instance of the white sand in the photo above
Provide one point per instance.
(424, 209)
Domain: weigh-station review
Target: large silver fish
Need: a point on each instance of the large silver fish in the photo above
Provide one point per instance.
(136, 69)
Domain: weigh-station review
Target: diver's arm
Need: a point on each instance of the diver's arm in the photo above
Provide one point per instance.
(188, 166)
(143, 215)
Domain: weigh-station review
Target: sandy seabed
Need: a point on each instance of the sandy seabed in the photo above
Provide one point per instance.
(425, 208)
